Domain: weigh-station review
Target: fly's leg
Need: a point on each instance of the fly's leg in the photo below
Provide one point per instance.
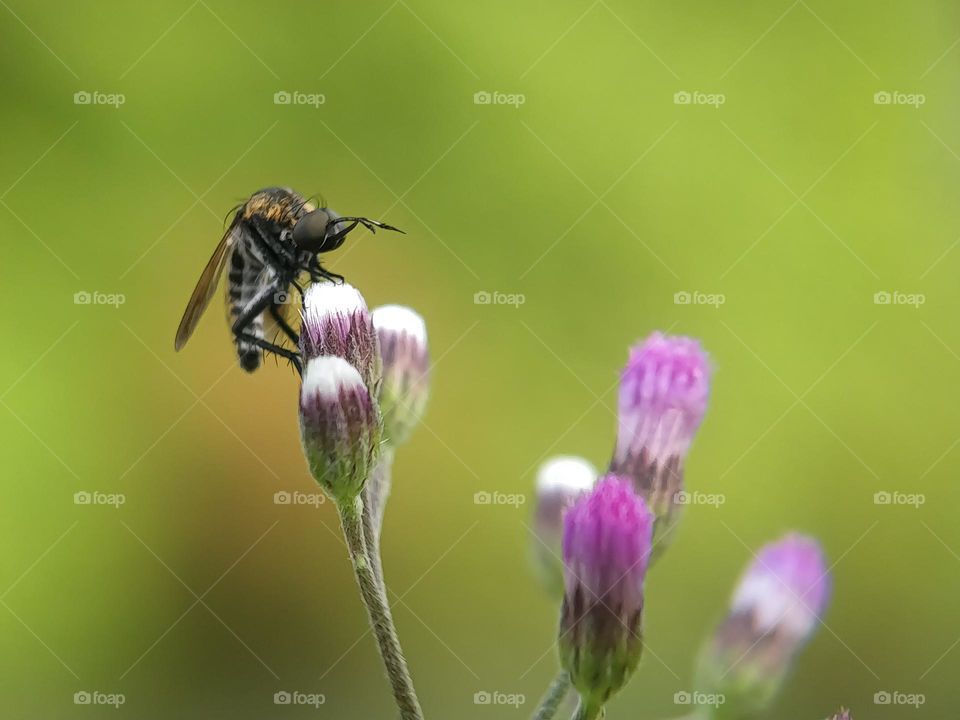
(293, 357)
(240, 329)
(287, 330)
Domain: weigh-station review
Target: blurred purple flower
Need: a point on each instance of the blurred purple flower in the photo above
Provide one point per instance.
(606, 548)
(664, 390)
(406, 364)
(785, 589)
(774, 611)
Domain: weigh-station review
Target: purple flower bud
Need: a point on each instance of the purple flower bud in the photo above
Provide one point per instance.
(606, 548)
(561, 481)
(336, 322)
(406, 367)
(775, 609)
(843, 715)
(339, 426)
(663, 397)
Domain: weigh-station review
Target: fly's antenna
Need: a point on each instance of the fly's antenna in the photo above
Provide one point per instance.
(233, 210)
(316, 197)
(369, 224)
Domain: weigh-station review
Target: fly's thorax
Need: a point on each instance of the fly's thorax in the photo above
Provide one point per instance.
(283, 206)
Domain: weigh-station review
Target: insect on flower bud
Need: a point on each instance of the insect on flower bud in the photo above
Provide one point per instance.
(339, 426)
(606, 548)
(406, 384)
(336, 322)
(774, 610)
(561, 481)
(663, 397)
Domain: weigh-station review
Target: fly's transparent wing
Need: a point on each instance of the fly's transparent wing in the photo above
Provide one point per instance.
(206, 287)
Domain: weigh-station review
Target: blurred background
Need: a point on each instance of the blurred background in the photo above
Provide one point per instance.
(778, 179)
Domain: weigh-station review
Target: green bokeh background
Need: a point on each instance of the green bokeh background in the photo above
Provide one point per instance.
(597, 199)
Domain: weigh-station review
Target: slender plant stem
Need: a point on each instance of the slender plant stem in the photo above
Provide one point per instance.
(588, 712)
(375, 599)
(554, 698)
(376, 491)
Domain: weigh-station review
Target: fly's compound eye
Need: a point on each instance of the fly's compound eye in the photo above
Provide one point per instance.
(310, 232)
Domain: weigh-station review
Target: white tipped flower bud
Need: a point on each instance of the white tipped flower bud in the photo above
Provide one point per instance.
(339, 426)
(406, 368)
(336, 322)
(561, 480)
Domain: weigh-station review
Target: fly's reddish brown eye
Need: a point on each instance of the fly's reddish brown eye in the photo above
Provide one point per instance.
(311, 230)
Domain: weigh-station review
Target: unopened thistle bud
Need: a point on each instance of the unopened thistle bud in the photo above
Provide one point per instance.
(339, 426)
(606, 548)
(663, 397)
(336, 322)
(775, 609)
(843, 715)
(561, 481)
(406, 367)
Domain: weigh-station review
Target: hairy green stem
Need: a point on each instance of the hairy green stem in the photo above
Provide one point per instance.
(375, 598)
(554, 698)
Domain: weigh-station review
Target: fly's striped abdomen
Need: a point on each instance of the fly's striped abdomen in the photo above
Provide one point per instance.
(242, 289)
